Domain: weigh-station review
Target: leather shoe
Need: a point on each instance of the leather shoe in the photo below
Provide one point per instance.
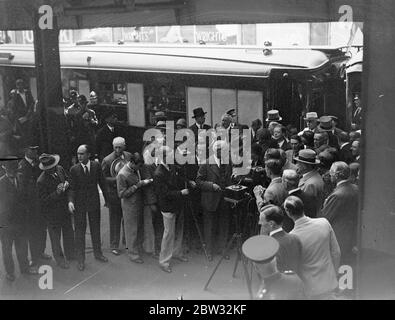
(81, 266)
(116, 252)
(10, 277)
(101, 258)
(182, 258)
(137, 260)
(166, 269)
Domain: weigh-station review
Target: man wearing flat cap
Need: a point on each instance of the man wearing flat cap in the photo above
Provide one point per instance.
(110, 165)
(53, 187)
(13, 220)
(311, 182)
(262, 251)
(28, 173)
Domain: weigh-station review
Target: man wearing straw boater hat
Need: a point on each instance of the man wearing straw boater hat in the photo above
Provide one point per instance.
(53, 188)
(273, 116)
(12, 220)
(261, 251)
(311, 182)
(311, 122)
(326, 125)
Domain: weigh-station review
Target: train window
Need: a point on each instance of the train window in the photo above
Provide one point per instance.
(136, 104)
(248, 104)
(169, 99)
(33, 87)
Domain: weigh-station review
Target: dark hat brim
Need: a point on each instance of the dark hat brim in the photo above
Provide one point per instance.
(308, 162)
(199, 114)
(274, 120)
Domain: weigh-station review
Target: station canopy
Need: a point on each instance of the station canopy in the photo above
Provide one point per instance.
(78, 14)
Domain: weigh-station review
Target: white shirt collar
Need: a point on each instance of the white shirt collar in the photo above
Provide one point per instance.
(217, 161)
(29, 160)
(110, 128)
(165, 165)
(275, 231)
(88, 165)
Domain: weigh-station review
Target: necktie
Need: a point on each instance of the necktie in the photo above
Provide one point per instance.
(85, 170)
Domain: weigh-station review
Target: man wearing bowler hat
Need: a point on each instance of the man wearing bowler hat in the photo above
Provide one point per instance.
(53, 187)
(28, 173)
(311, 182)
(200, 117)
(12, 220)
(262, 251)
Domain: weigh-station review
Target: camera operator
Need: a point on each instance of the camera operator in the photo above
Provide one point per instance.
(212, 178)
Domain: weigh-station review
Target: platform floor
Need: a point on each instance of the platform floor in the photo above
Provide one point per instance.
(122, 279)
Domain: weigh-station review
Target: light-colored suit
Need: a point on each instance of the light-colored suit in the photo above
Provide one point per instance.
(312, 186)
(275, 192)
(320, 255)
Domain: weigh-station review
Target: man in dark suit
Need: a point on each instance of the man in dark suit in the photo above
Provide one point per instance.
(170, 191)
(345, 153)
(212, 178)
(120, 156)
(53, 187)
(84, 200)
(13, 220)
(106, 135)
(341, 210)
(200, 118)
(289, 254)
(255, 126)
(279, 133)
(311, 182)
(28, 173)
(21, 110)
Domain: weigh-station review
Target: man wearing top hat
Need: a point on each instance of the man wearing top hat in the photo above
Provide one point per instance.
(28, 173)
(311, 122)
(274, 285)
(13, 220)
(311, 182)
(53, 188)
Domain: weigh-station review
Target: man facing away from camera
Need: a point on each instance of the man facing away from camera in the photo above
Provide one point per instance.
(320, 258)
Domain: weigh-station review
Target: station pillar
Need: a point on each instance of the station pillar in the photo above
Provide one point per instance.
(53, 128)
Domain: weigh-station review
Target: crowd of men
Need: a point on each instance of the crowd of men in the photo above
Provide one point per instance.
(305, 186)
